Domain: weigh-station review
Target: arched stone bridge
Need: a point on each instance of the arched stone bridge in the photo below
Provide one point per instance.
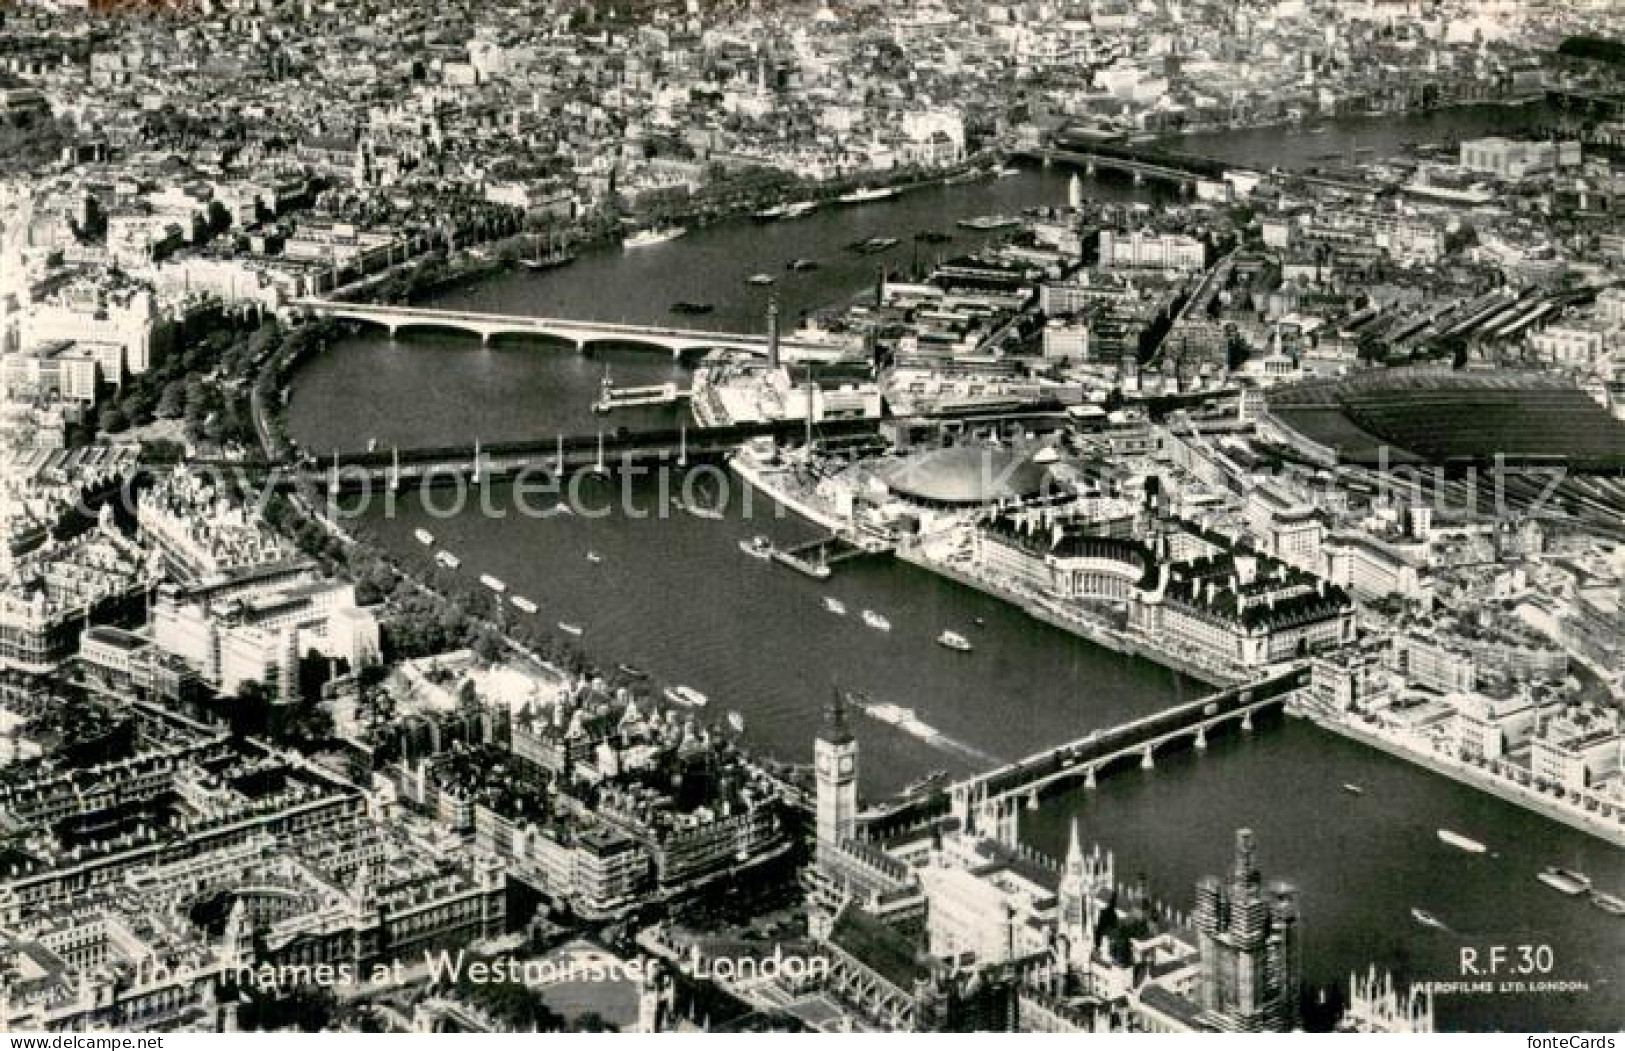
(579, 334)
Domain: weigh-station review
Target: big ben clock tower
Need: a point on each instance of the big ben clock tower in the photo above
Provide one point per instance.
(835, 760)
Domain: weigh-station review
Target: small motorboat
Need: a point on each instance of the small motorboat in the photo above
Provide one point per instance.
(632, 671)
(570, 629)
(1427, 919)
(424, 537)
(876, 621)
(594, 557)
(954, 641)
(1353, 790)
(757, 547)
(523, 604)
(1566, 881)
(835, 605)
(736, 722)
(1612, 904)
(759, 279)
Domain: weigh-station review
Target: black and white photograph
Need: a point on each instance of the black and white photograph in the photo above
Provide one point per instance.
(811, 517)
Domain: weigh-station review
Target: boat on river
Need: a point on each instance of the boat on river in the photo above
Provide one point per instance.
(686, 696)
(835, 605)
(424, 537)
(1460, 842)
(555, 257)
(1612, 904)
(1427, 919)
(757, 547)
(876, 621)
(523, 604)
(493, 583)
(990, 222)
(865, 194)
(922, 785)
(1566, 881)
(447, 559)
(570, 629)
(954, 641)
(653, 236)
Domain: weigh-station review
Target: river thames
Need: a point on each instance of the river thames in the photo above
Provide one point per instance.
(675, 596)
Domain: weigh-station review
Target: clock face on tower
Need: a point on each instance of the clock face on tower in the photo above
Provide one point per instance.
(846, 764)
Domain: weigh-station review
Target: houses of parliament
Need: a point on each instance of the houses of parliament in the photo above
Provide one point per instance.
(953, 925)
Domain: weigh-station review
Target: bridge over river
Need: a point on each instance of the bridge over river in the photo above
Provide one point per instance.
(1091, 152)
(993, 799)
(606, 452)
(577, 334)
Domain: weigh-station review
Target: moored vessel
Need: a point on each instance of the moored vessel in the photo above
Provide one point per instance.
(926, 783)
(759, 279)
(1566, 881)
(556, 256)
(493, 583)
(632, 671)
(1612, 904)
(520, 602)
(687, 696)
(757, 547)
(570, 629)
(736, 722)
(835, 605)
(653, 236)
(423, 536)
(954, 641)
(1353, 790)
(864, 194)
(990, 222)
(447, 559)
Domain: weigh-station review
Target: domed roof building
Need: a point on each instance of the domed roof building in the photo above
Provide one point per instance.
(966, 476)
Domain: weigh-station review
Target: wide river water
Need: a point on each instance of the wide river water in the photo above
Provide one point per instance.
(675, 595)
